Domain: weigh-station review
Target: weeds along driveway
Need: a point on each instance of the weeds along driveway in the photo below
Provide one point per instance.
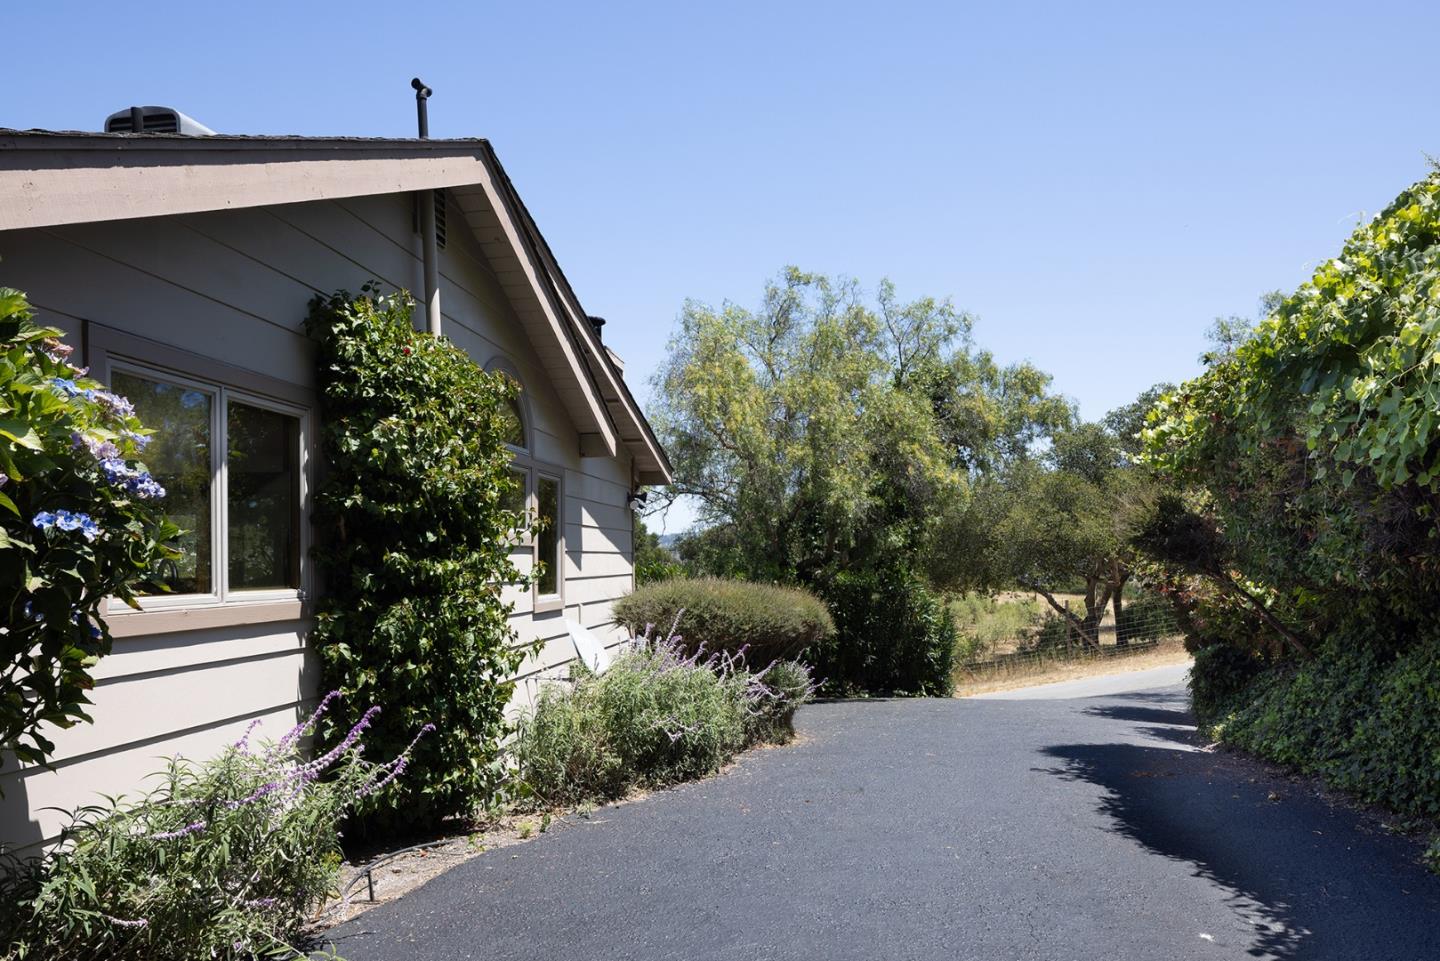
(959, 829)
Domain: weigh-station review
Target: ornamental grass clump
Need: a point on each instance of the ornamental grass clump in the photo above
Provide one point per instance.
(657, 716)
(225, 859)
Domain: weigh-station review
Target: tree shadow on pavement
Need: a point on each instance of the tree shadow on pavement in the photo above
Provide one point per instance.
(1152, 715)
(1308, 879)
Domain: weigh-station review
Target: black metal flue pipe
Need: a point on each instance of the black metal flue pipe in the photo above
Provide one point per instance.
(422, 95)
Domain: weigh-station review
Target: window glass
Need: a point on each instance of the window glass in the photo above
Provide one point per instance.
(547, 542)
(513, 425)
(263, 498)
(514, 498)
(179, 458)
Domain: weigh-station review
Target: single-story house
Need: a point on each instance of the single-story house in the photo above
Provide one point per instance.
(181, 268)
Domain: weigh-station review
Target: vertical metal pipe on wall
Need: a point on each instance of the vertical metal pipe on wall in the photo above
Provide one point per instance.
(425, 199)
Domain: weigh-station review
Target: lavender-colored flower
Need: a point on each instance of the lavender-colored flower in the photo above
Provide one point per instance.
(243, 745)
(56, 350)
(295, 732)
(114, 403)
(101, 450)
(193, 828)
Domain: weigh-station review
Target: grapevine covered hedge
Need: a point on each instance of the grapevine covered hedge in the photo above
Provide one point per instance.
(1316, 439)
(80, 522)
(415, 541)
(1310, 458)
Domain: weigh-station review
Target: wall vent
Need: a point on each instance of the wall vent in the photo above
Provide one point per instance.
(439, 200)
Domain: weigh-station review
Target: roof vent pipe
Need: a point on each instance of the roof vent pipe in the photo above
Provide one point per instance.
(596, 323)
(426, 201)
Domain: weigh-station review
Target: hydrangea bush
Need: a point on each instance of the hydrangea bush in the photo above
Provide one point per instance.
(81, 521)
(223, 860)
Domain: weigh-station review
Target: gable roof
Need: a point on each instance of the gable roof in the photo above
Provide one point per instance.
(53, 178)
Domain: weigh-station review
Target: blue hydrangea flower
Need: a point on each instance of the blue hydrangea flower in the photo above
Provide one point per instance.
(114, 403)
(141, 441)
(68, 521)
(132, 479)
(99, 449)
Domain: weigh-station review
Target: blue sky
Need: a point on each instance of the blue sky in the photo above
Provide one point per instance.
(1095, 181)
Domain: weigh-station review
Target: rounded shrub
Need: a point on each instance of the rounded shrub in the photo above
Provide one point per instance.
(893, 635)
(768, 622)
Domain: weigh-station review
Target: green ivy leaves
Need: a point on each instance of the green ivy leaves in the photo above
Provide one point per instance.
(415, 539)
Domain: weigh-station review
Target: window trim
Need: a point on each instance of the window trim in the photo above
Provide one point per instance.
(530, 468)
(545, 603)
(522, 400)
(109, 350)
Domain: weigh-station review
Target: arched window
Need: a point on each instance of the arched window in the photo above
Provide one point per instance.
(538, 494)
(514, 424)
(517, 421)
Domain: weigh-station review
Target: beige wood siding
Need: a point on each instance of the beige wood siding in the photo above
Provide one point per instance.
(234, 286)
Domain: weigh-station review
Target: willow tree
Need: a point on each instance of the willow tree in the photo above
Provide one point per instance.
(826, 435)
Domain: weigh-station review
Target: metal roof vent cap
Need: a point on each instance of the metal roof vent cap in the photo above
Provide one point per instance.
(155, 120)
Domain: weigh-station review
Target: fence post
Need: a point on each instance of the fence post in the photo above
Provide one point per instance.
(1069, 633)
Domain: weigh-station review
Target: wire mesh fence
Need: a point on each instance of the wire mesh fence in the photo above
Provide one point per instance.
(1051, 640)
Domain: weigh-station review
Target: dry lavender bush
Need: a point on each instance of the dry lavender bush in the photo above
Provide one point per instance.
(223, 860)
(658, 716)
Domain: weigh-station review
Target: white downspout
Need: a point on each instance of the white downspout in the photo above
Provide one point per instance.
(431, 256)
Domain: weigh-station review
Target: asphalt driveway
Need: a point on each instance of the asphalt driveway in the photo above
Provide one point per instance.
(1081, 828)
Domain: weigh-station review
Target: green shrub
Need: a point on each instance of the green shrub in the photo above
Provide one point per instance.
(80, 523)
(413, 503)
(1052, 634)
(893, 636)
(1363, 721)
(1218, 675)
(1149, 617)
(222, 860)
(768, 622)
(656, 717)
(782, 688)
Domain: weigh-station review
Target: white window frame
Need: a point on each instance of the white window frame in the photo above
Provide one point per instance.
(113, 351)
(531, 469)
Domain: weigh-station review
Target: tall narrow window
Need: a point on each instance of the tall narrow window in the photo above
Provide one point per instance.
(263, 497)
(547, 541)
(180, 458)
